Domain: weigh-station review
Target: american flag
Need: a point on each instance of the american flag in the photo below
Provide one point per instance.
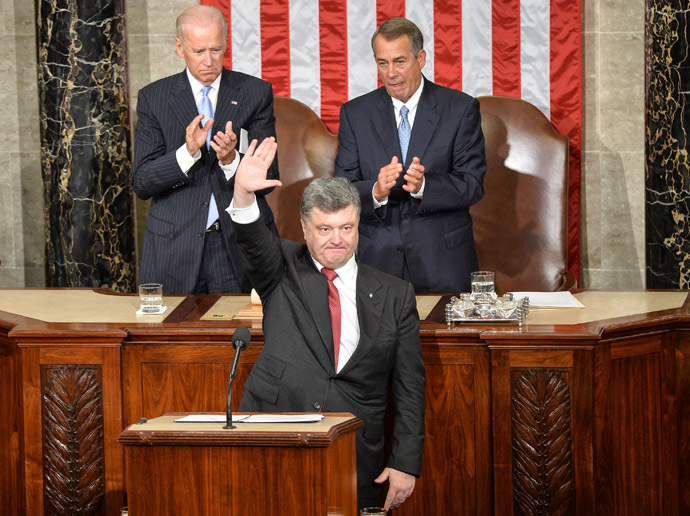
(319, 52)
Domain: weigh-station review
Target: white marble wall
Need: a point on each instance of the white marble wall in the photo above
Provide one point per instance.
(21, 191)
(613, 174)
(613, 252)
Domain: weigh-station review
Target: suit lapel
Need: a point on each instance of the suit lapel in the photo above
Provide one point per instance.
(227, 104)
(315, 291)
(425, 123)
(384, 125)
(371, 297)
(182, 100)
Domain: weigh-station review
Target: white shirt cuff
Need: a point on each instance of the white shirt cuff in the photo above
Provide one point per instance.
(184, 160)
(231, 167)
(244, 215)
(378, 204)
(420, 194)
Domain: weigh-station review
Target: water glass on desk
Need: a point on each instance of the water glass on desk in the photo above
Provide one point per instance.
(482, 287)
(151, 298)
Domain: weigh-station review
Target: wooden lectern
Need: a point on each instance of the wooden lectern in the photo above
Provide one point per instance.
(257, 468)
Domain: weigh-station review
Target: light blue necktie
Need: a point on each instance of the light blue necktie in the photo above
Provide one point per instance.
(404, 131)
(206, 109)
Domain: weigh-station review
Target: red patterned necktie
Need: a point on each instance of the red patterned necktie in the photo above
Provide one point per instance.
(334, 308)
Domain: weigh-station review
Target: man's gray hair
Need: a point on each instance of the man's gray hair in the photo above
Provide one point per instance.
(201, 15)
(394, 28)
(329, 194)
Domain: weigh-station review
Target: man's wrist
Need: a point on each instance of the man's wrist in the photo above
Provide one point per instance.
(229, 158)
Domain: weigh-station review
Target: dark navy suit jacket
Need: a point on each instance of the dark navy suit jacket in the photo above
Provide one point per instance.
(176, 223)
(433, 235)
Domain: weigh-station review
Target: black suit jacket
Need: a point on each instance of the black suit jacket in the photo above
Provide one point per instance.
(295, 372)
(433, 235)
(174, 238)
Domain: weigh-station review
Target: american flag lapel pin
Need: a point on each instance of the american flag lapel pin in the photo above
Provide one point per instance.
(233, 102)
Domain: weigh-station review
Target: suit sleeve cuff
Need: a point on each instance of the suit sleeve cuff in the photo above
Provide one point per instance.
(184, 160)
(244, 215)
(420, 194)
(230, 169)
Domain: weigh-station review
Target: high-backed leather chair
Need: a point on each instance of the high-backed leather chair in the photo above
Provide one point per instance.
(520, 226)
(306, 150)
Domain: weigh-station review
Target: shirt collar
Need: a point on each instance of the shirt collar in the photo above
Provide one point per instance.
(197, 86)
(346, 272)
(411, 102)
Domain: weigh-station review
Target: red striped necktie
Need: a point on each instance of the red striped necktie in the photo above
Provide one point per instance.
(334, 308)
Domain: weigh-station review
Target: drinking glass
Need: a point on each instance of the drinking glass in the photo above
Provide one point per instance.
(151, 298)
(372, 511)
(482, 287)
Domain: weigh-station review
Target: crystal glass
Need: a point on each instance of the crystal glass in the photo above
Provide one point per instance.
(463, 306)
(151, 298)
(506, 305)
(482, 287)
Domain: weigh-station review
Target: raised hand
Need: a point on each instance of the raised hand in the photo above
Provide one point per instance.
(251, 173)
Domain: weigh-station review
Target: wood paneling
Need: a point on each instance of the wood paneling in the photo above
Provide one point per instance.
(230, 478)
(457, 422)
(614, 394)
(678, 430)
(11, 446)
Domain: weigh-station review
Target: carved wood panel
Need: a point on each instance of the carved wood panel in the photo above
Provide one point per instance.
(543, 482)
(73, 473)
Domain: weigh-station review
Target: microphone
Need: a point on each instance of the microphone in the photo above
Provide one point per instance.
(240, 340)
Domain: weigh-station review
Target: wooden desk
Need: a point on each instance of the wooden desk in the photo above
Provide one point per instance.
(583, 413)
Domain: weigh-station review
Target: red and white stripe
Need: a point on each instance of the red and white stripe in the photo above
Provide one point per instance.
(319, 52)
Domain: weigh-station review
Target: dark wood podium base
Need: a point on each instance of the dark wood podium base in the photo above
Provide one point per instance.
(258, 469)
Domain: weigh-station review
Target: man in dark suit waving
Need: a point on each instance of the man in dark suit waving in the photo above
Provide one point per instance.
(336, 333)
(415, 152)
(185, 157)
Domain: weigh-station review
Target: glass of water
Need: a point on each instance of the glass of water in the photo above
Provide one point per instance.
(483, 287)
(151, 298)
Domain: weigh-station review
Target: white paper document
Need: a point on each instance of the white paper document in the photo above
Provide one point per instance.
(255, 418)
(550, 299)
(209, 418)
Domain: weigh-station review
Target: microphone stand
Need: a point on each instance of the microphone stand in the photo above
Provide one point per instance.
(233, 372)
(240, 340)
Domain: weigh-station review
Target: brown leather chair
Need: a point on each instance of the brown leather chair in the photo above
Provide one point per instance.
(306, 150)
(520, 226)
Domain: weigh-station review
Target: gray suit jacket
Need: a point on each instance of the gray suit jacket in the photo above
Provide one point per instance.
(434, 235)
(295, 372)
(174, 238)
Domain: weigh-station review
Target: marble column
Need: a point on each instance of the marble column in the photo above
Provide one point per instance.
(85, 143)
(667, 144)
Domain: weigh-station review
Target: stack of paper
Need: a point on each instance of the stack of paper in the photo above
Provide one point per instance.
(254, 418)
(550, 299)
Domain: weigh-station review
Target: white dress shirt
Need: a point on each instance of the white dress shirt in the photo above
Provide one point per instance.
(346, 283)
(184, 160)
